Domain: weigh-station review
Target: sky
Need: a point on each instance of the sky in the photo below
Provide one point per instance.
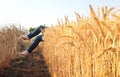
(32, 13)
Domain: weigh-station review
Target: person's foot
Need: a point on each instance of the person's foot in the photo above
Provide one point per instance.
(26, 53)
(24, 37)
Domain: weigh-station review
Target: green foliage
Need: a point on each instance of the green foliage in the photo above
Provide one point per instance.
(31, 29)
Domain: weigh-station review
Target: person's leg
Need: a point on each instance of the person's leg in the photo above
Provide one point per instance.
(33, 45)
(31, 34)
(34, 33)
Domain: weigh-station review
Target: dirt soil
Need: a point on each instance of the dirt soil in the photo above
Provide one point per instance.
(30, 66)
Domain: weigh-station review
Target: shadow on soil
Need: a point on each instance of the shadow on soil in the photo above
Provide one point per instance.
(30, 66)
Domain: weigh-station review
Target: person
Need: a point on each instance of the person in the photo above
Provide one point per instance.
(36, 32)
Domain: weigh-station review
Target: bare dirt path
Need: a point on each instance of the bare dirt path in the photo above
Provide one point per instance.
(31, 66)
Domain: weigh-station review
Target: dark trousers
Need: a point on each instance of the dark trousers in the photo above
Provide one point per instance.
(36, 41)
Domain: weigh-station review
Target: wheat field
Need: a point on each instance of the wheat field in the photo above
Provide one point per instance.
(10, 44)
(87, 47)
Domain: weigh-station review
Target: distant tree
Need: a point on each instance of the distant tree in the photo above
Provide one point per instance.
(31, 29)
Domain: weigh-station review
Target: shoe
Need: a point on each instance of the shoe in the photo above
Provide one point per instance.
(24, 37)
(26, 53)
